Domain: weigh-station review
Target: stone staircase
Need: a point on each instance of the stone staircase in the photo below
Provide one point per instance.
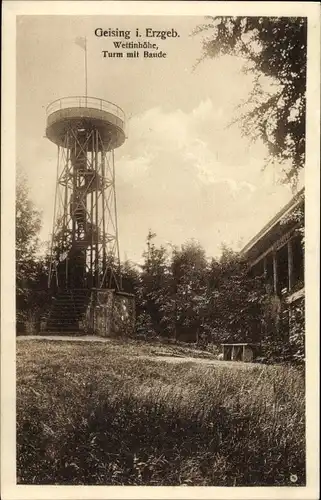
(68, 312)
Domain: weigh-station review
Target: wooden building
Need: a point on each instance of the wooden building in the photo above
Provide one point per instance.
(277, 253)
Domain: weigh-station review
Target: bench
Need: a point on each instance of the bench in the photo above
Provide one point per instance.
(239, 352)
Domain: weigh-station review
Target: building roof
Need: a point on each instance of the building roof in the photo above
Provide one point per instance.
(272, 230)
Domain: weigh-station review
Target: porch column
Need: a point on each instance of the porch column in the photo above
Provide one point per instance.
(275, 272)
(290, 265)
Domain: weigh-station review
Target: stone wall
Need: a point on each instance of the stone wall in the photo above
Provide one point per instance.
(103, 312)
(111, 314)
(124, 315)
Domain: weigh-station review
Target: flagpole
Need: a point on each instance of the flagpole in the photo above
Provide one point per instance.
(86, 70)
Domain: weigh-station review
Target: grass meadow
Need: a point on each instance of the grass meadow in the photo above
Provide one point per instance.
(98, 414)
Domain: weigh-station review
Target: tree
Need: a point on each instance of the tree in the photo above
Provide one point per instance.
(189, 299)
(31, 268)
(236, 300)
(28, 224)
(153, 289)
(273, 48)
(130, 277)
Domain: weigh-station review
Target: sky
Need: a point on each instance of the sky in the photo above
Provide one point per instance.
(183, 172)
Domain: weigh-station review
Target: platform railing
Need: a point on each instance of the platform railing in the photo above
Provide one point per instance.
(85, 102)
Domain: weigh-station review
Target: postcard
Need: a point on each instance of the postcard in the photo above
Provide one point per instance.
(160, 255)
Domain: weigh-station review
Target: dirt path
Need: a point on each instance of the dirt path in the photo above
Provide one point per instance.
(201, 361)
(68, 338)
(156, 357)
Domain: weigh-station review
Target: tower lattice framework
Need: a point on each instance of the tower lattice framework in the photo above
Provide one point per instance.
(85, 246)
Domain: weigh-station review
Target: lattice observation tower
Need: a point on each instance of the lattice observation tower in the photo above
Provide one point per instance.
(85, 247)
(84, 258)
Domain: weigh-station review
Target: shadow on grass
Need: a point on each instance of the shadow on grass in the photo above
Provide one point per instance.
(95, 419)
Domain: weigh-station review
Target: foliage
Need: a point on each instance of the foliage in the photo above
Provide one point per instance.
(190, 298)
(184, 296)
(28, 224)
(236, 300)
(153, 288)
(274, 51)
(31, 267)
(297, 337)
(130, 277)
(97, 415)
(287, 345)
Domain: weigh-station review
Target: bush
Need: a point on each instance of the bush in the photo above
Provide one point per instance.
(289, 345)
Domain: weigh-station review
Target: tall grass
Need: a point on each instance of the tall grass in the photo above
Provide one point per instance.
(88, 414)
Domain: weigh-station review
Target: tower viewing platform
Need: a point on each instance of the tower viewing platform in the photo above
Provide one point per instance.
(86, 113)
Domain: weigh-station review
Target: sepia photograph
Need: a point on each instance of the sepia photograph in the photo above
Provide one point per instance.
(161, 249)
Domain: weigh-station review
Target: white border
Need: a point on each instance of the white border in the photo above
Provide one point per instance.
(13, 8)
